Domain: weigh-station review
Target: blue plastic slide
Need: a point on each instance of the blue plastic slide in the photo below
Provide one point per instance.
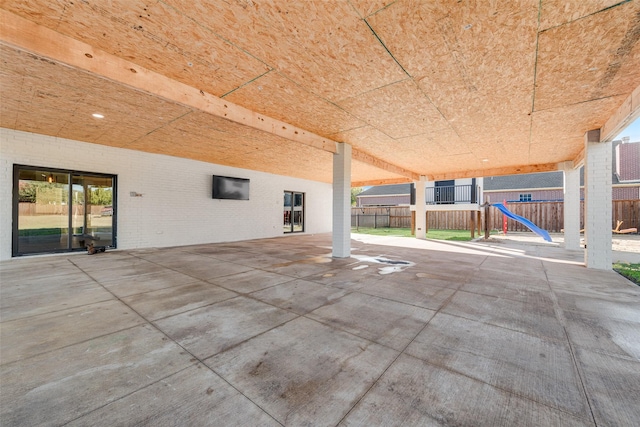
(522, 220)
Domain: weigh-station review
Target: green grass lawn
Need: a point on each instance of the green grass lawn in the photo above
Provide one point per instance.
(630, 271)
(458, 235)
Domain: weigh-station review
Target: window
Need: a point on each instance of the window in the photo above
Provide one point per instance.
(525, 197)
(293, 212)
(60, 211)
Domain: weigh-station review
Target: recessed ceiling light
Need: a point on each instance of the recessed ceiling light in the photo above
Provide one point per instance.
(485, 160)
(98, 116)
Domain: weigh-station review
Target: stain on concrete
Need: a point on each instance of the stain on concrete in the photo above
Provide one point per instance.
(391, 265)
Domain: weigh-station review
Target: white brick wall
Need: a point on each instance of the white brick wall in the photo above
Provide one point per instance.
(176, 207)
(572, 208)
(341, 211)
(421, 209)
(597, 184)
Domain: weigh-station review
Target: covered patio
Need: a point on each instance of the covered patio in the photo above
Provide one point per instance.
(277, 332)
(329, 94)
(206, 315)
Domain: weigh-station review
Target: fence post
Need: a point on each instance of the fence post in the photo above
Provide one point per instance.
(426, 227)
(486, 220)
(375, 220)
(504, 219)
(473, 225)
(413, 223)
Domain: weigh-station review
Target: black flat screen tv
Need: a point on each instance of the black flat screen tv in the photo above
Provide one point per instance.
(226, 187)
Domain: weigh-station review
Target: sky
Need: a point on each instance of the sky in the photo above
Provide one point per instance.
(632, 131)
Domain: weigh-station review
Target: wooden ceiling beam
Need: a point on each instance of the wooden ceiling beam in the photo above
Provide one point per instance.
(363, 157)
(628, 111)
(380, 182)
(24, 34)
(623, 117)
(37, 39)
(578, 161)
(508, 170)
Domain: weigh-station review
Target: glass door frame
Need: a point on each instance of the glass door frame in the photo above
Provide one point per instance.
(70, 176)
(290, 227)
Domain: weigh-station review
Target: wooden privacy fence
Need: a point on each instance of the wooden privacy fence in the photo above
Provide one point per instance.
(550, 215)
(400, 217)
(390, 217)
(546, 215)
(30, 209)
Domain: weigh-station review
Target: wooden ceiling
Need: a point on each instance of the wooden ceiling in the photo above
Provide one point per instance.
(441, 88)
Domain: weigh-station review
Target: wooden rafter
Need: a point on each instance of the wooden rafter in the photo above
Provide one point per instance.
(369, 159)
(380, 182)
(509, 170)
(24, 34)
(625, 115)
(40, 40)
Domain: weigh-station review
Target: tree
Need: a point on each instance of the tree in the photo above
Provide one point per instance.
(42, 192)
(26, 192)
(101, 196)
(354, 192)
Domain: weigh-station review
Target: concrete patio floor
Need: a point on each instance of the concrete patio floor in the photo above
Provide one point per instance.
(275, 332)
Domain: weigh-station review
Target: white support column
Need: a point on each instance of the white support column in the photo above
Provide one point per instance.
(597, 201)
(421, 209)
(571, 207)
(342, 201)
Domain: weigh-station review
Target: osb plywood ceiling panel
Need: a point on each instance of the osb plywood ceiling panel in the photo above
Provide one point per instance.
(274, 95)
(138, 121)
(438, 88)
(609, 60)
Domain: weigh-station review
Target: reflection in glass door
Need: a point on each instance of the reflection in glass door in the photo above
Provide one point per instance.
(293, 212)
(92, 216)
(50, 215)
(43, 212)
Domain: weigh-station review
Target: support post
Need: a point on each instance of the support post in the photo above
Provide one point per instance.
(473, 225)
(413, 223)
(487, 220)
(504, 219)
(341, 238)
(597, 202)
(571, 207)
(421, 209)
(426, 222)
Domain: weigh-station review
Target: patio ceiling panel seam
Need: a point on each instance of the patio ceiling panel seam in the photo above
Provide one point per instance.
(26, 35)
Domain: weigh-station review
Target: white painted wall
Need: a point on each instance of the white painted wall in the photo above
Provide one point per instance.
(176, 207)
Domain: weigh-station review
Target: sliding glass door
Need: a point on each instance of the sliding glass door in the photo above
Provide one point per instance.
(293, 212)
(43, 212)
(60, 211)
(92, 216)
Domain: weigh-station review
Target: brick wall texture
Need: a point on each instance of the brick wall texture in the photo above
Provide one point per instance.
(176, 207)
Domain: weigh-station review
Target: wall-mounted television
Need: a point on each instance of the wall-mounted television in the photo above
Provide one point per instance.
(226, 187)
